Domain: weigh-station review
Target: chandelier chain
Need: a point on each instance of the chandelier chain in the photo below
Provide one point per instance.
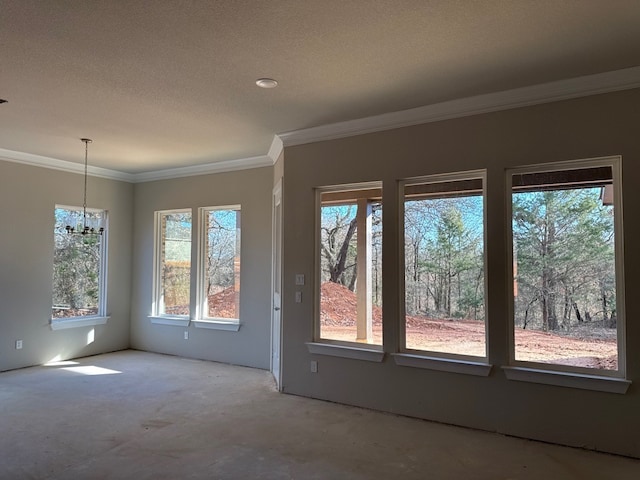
(86, 229)
(84, 203)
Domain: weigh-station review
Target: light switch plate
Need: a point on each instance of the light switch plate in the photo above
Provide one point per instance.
(299, 278)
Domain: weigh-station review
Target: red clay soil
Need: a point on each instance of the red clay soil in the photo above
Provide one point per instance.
(221, 305)
(73, 312)
(338, 312)
(338, 308)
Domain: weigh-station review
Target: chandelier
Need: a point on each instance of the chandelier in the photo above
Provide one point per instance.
(90, 226)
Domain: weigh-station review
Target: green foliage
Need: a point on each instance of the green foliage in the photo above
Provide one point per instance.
(444, 267)
(76, 270)
(564, 252)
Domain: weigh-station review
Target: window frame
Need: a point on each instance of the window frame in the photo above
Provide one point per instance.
(101, 317)
(156, 316)
(325, 346)
(411, 356)
(201, 319)
(535, 371)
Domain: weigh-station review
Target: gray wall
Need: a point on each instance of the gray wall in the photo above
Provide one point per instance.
(27, 200)
(583, 128)
(252, 190)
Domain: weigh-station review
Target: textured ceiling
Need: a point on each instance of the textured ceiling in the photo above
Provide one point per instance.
(160, 84)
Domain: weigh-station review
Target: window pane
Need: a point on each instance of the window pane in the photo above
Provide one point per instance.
(175, 263)
(77, 261)
(564, 268)
(222, 268)
(351, 266)
(444, 267)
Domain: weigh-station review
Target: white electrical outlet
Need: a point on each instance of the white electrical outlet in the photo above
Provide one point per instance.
(298, 297)
(186, 334)
(314, 366)
(299, 278)
(18, 344)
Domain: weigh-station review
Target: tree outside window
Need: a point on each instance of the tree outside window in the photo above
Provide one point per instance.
(444, 266)
(173, 263)
(564, 268)
(220, 282)
(78, 266)
(350, 244)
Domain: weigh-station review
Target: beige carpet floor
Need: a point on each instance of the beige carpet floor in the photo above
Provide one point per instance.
(136, 415)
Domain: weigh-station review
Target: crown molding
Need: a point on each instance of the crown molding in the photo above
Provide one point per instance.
(217, 167)
(72, 167)
(276, 149)
(62, 165)
(624, 79)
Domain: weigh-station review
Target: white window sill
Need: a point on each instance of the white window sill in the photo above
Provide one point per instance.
(566, 379)
(466, 367)
(174, 321)
(344, 351)
(228, 325)
(62, 324)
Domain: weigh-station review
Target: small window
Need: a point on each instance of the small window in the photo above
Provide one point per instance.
(219, 292)
(566, 287)
(79, 265)
(444, 278)
(172, 263)
(350, 259)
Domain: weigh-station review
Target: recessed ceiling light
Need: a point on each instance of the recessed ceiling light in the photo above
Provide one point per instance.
(266, 83)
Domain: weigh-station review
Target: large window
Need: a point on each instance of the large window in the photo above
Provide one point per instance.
(219, 291)
(79, 265)
(566, 246)
(444, 275)
(350, 260)
(172, 263)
